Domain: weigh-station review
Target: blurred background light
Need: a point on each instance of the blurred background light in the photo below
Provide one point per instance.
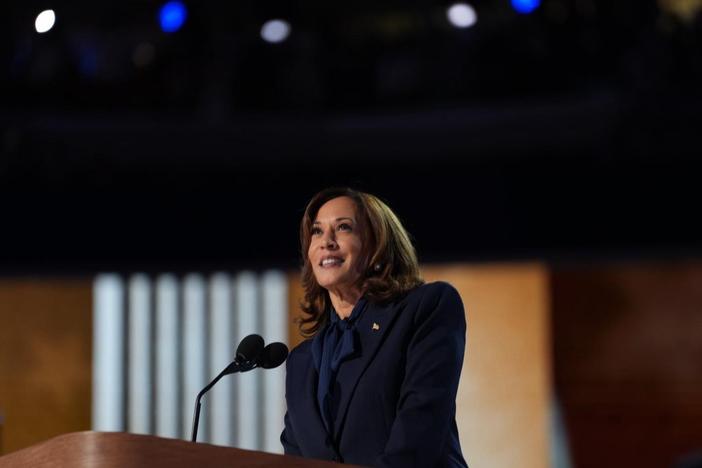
(686, 10)
(462, 15)
(143, 54)
(45, 21)
(525, 6)
(172, 16)
(275, 30)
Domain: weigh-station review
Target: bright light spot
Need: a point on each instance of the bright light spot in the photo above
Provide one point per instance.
(275, 30)
(525, 6)
(45, 21)
(462, 15)
(172, 16)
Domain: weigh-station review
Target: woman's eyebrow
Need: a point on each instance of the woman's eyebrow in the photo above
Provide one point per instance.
(337, 219)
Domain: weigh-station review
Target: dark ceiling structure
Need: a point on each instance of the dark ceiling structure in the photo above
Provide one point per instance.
(571, 132)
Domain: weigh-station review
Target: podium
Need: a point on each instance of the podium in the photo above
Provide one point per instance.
(123, 450)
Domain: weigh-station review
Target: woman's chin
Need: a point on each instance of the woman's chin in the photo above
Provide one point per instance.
(328, 284)
(331, 282)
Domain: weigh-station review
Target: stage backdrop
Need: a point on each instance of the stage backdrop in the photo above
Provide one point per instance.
(49, 371)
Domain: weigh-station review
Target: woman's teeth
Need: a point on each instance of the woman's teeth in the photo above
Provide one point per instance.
(331, 261)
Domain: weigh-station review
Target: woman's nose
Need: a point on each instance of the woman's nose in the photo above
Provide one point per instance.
(329, 241)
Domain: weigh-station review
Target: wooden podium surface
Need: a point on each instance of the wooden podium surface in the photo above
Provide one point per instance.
(123, 450)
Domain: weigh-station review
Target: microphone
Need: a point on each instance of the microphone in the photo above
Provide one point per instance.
(272, 356)
(249, 354)
(246, 353)
(250, 347)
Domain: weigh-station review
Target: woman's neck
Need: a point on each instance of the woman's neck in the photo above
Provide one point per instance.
(344, 300)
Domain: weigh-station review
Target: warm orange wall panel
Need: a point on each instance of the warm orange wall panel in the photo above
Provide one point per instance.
(295, 294)
(503, 398)
(45, 359)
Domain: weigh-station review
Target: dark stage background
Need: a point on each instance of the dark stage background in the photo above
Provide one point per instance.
(568, 132)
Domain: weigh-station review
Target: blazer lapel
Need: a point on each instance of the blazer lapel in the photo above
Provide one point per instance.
(308, 406)
(372, 327)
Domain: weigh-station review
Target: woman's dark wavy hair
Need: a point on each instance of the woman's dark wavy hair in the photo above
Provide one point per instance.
(391, 267)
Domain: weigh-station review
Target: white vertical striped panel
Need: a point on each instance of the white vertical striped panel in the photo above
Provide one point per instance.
(275, 328)
(245, 410)
(220, 406)
(194, 351)
(249, 402)
(167, 362)
(108, 353)
(139, 362)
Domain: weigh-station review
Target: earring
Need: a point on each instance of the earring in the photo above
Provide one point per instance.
(377, 267)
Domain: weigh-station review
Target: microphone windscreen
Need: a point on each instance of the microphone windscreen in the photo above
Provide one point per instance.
(249, 348)
(272, 355)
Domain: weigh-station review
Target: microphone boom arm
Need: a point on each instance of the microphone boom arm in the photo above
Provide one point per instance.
(230, 369)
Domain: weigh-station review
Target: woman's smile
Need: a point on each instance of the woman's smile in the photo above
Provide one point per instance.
(331, 262)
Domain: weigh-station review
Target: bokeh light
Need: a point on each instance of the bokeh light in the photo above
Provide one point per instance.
(462, 15)
(275, 30)
(172, 16)
(45, 21)
(525, 6)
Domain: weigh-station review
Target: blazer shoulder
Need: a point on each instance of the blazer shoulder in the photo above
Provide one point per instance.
(435, 291)
(302, 348)
(439, 300)
(300, 351)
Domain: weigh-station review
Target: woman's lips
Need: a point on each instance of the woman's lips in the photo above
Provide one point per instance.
(331, 262)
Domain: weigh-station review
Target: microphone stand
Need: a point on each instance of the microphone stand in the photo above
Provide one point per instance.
(232, 368)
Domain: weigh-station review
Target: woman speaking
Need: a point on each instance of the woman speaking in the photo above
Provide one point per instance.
(376, 382)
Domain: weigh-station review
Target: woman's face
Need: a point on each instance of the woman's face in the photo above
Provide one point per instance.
(335, 244)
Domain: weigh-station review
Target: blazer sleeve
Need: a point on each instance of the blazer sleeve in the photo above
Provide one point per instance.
(427, 405)
(287, 437)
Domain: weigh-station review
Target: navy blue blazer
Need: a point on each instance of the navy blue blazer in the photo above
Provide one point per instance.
(398, 393)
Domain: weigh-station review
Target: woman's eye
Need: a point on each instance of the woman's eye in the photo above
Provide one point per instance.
(344, 227)
(316, 231)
